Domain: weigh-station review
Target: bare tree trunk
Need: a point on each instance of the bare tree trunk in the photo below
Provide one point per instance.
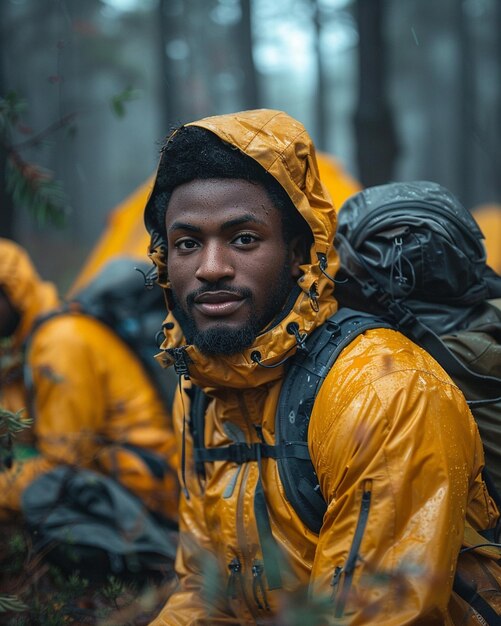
(244, 43)
(496, 165)
(320, 104)
(168, 87)
(374, 128)
(465, 170)
(6, 205)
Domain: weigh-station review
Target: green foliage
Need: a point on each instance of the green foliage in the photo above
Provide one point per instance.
(29, 185)
(10, 425)
(114, 589)
(119, 100)
(10, 603)
(33, 593)
(12, 108)
(13, 422)
(34, 187)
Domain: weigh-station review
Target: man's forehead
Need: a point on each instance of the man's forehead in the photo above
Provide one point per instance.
(234, 222)
(231, 199)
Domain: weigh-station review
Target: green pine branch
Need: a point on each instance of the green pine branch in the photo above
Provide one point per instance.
(35, 188)
(28, 184)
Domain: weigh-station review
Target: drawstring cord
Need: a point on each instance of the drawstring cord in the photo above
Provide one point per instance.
(313, 296)
(293, 329)
(397, 268)
(480, 545)
(181, 361)
(184, 488)
(322, 259)
(149, 277)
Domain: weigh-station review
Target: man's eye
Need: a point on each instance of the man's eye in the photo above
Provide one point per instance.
(186, 244)
(245, 239)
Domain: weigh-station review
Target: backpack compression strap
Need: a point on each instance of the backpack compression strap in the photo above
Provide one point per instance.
(27, 373)
(430, 341)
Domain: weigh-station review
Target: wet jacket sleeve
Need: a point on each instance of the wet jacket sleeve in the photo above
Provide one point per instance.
(69, 406)
(398, 459)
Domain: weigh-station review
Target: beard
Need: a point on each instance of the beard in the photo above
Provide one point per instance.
(222, 339)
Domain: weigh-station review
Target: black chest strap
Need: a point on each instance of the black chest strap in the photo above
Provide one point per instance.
(243, 452)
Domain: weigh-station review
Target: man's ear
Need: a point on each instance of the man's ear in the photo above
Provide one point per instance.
(296, 256)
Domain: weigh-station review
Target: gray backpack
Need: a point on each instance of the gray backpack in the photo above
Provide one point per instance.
(82, 520)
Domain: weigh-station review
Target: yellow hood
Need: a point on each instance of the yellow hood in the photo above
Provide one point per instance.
(27, 292)
(283, 148)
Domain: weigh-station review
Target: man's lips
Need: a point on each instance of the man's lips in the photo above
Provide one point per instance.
(218, 303)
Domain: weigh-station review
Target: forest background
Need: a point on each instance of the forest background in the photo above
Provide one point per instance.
(393, 89)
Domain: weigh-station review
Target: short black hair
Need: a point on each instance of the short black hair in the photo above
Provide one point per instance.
(192, 153)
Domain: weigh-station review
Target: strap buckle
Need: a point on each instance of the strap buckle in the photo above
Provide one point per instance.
(242, 452)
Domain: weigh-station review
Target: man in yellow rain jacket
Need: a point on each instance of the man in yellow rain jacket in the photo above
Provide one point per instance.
(93, 404)
(242, 229)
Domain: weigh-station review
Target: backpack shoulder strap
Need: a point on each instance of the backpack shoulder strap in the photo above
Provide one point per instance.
(299, 390)
(27, 372)
(198, 407)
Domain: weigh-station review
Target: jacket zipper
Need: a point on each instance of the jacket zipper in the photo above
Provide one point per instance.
(235, 568)
(353, 555)
(240, 524)
(258, 585)
(238, 566)
(338, 570)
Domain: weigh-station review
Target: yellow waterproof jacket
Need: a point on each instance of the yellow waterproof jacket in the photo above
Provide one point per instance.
(31, 297)
(396, 451)
(92, 403)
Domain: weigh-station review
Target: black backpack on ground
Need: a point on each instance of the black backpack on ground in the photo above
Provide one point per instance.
(124, 297)
(85, 521)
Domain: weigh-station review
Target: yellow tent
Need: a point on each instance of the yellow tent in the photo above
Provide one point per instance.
(125, 232)
(488, 217)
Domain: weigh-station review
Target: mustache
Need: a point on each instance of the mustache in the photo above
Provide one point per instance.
(242, 292)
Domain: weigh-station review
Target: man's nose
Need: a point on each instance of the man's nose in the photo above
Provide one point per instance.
(215, 263)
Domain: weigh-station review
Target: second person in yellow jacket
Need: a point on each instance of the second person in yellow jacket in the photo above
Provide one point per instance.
(92, 403)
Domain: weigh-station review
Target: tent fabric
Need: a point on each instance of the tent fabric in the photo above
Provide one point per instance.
(488, 217)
